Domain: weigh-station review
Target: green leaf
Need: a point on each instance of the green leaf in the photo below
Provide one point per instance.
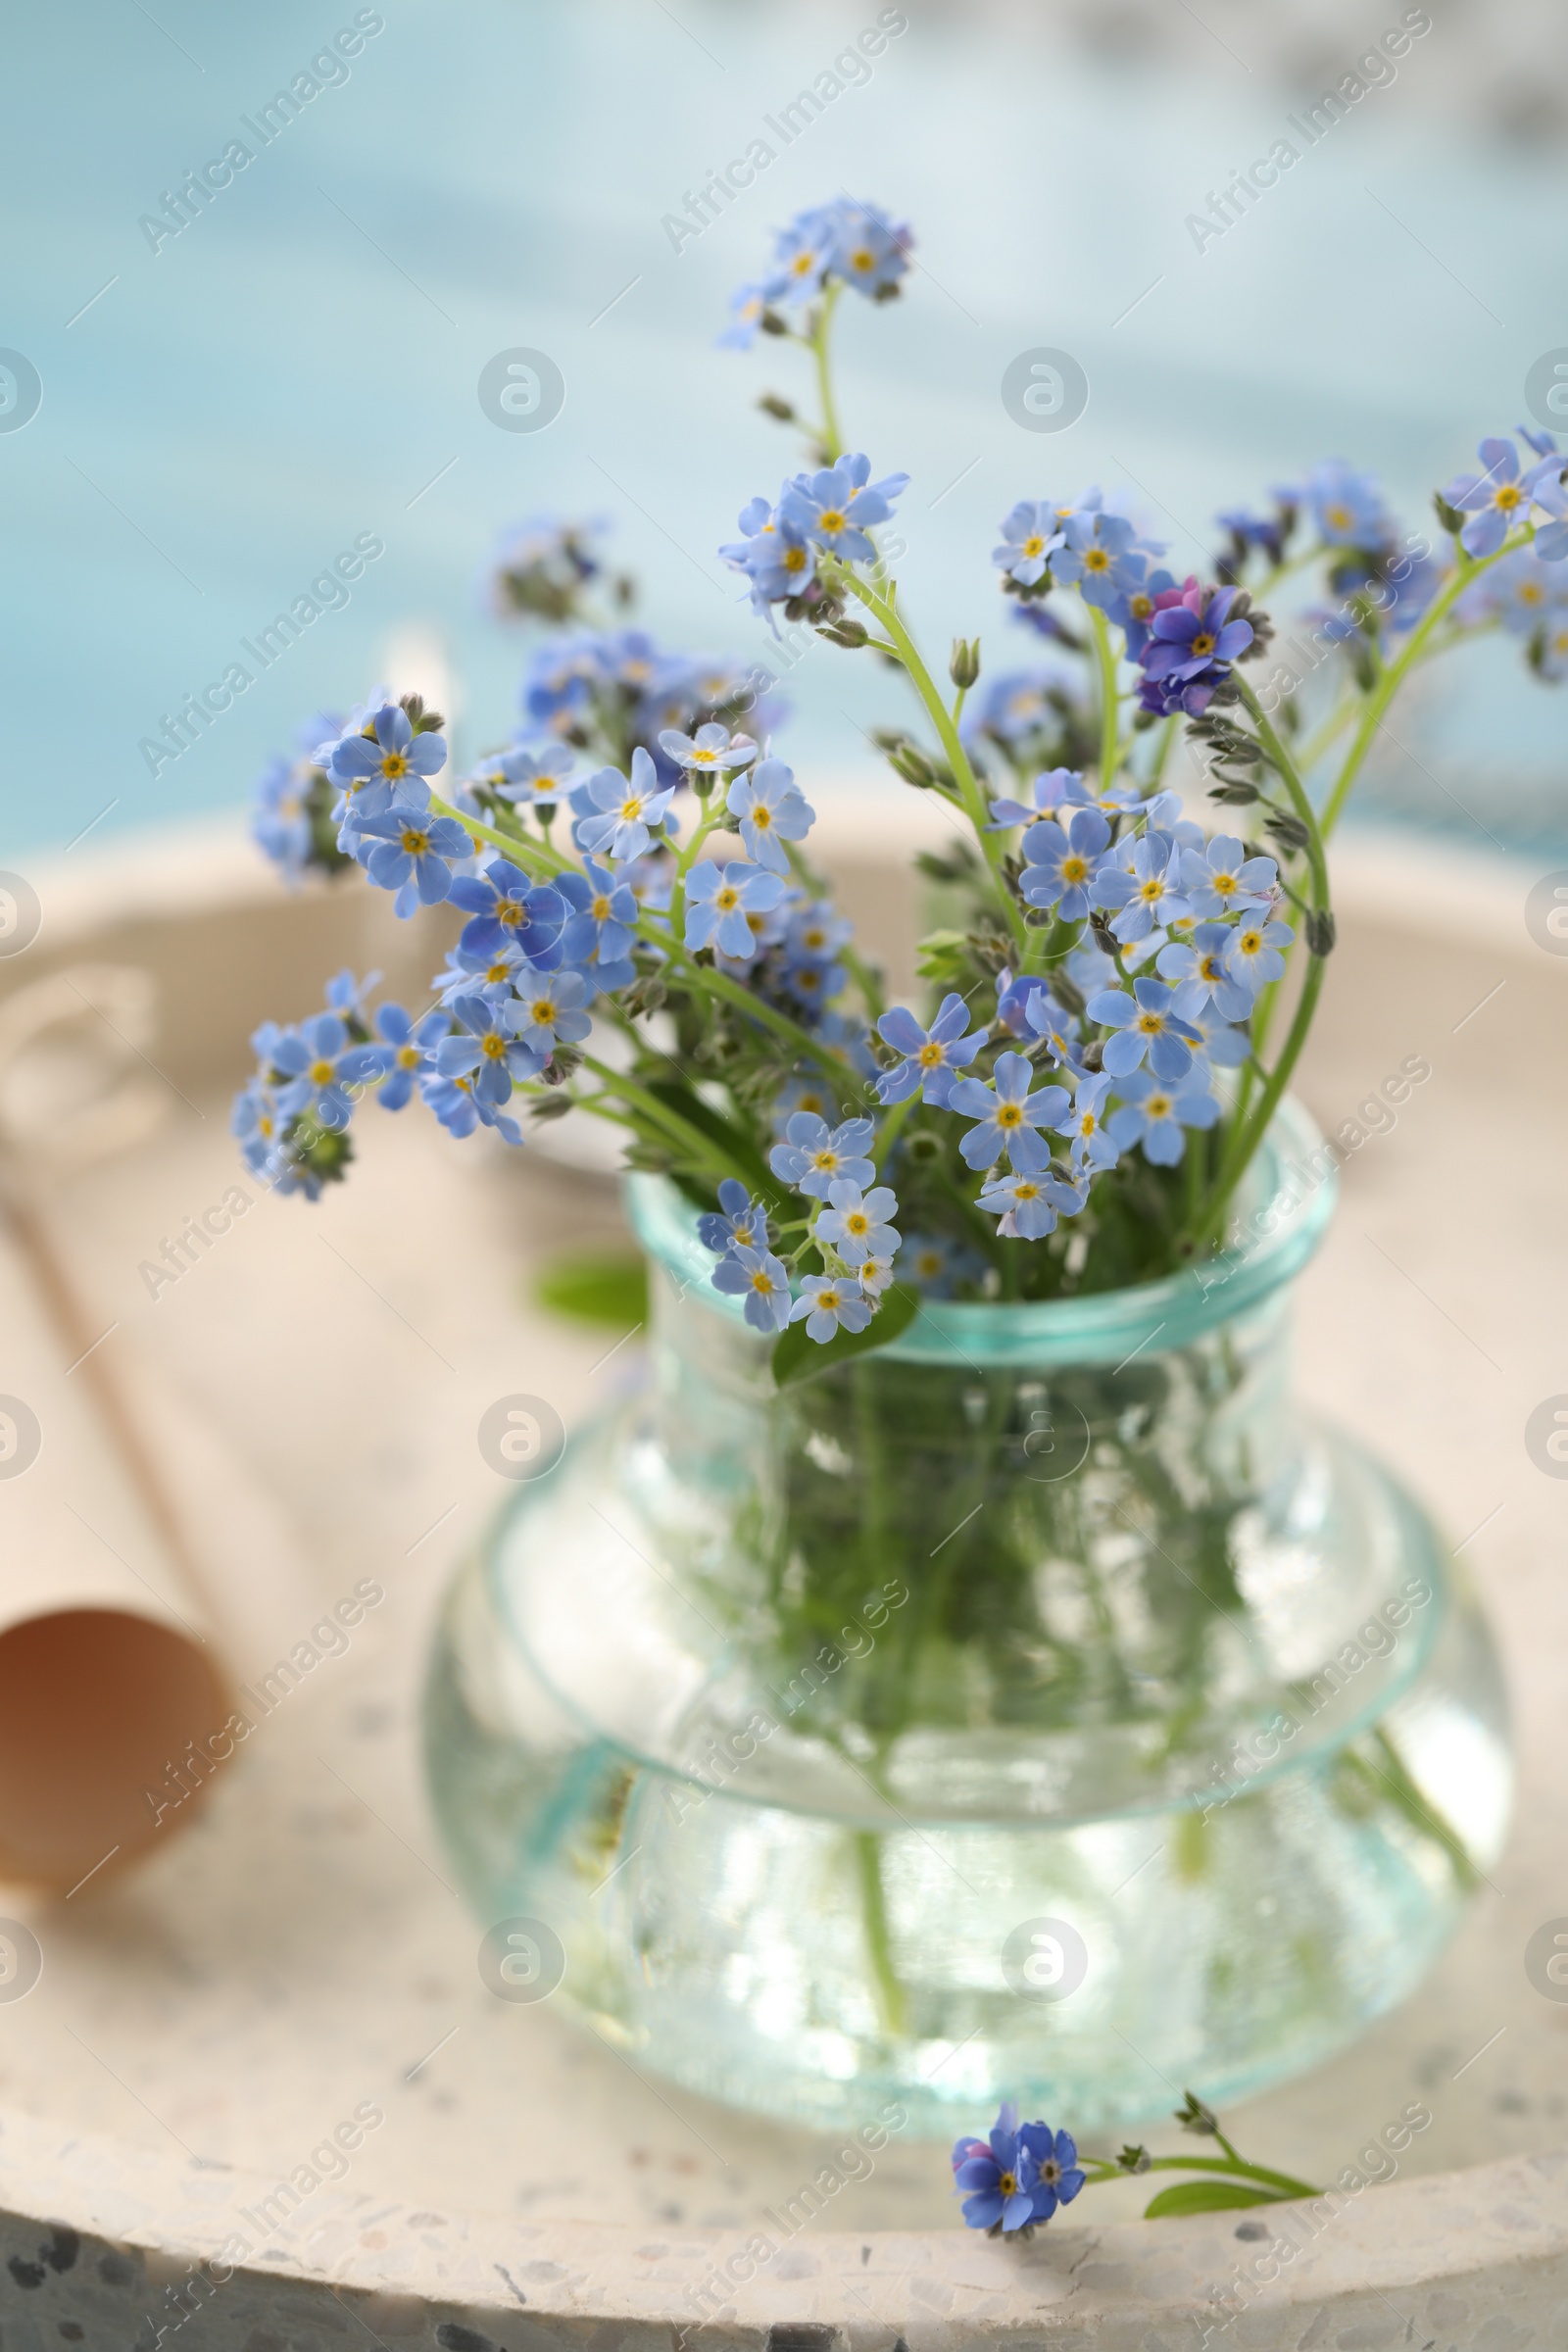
(799, 1357)
(1209, 2196)
(737, 1147)
(595, 1286)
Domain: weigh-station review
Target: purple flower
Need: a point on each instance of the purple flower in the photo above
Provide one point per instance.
(1007, 1115)
(1058, 2175)
(930, 1056)
(1191, 646)
(997, 2176)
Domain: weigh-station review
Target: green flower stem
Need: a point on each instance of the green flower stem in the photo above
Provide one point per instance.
(890, 1129)
(712, 820)
(1393, 677)
(890, 1993)
(1235, 2166)
(1162, 751)
(832, 438)
(699, 1147)
(1250, 1127)
(1110, 700)
(550, 863)
(991, 844)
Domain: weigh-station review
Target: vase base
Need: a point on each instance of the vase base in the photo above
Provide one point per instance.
(815, 1971)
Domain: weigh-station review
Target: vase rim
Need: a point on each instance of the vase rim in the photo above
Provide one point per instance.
(1284, 1206)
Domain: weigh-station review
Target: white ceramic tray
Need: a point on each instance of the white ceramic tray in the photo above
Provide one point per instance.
(298, 1956)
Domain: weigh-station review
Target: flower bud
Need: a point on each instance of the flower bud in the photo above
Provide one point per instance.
(964, 667)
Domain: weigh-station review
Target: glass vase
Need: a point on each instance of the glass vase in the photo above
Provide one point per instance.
(1040, 1706)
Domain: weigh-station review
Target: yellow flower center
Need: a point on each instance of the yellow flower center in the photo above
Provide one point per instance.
(1140, 606)
(1202, 643)
(631, 809)
(1507, 496)
(1338, 518)
(394, 763)
(322, 1073)
(1097, 559)
(1075, 869)
(795, 559)
(1150, 1024)
(599, 908)
(929, 1055)
(727, 899)
(1033, 545)
(494, 1045)
(857, 1222)
(1159, 1106)
(408, 1058)
(1010, 1115)
(830, 520)
(1152, 889)
(862, 259)
(414, 841)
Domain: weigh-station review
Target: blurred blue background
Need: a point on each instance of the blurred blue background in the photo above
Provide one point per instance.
(300, 365)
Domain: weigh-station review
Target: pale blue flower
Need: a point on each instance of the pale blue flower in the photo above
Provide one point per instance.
(757, 1277)
(1223, 879)
(830, 1303)
(718, 899)
(930, 1056)
(1155, 1114)
(1144, 1022)
(617, 817)
(814, 1156)
(1007, 1114)
(1059, 867)
(859, 1225)
(771, 812)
